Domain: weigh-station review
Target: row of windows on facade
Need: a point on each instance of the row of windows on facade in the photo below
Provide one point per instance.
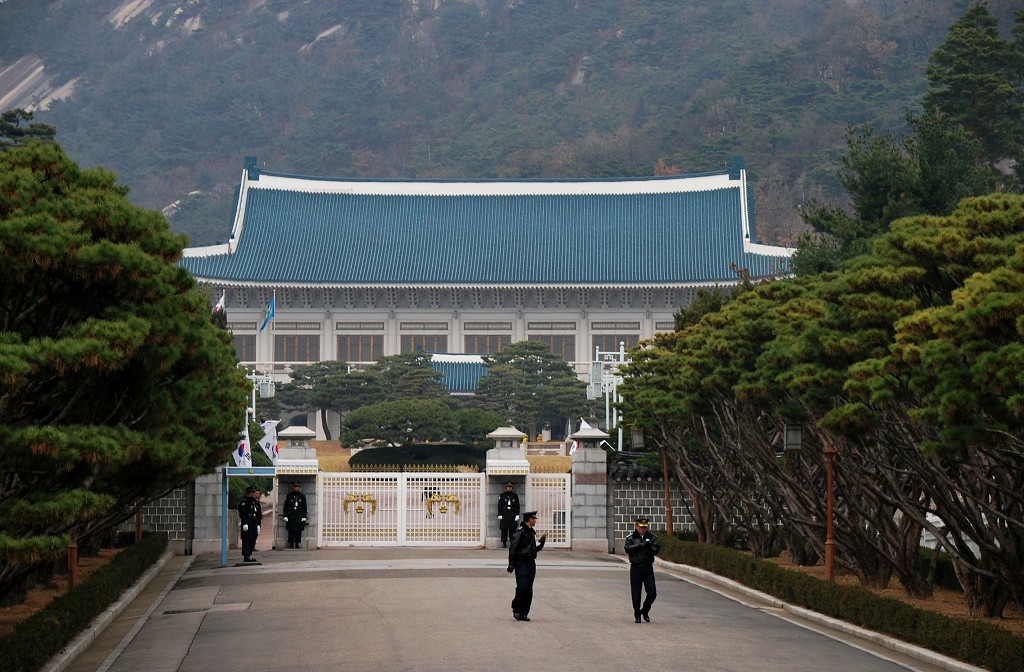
(370, 348)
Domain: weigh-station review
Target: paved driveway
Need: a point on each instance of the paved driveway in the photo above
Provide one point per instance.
(432, 610)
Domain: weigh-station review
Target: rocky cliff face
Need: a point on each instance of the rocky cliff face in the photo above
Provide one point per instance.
(173, 94)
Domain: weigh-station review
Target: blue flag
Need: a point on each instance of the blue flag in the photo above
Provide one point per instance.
(270, 313)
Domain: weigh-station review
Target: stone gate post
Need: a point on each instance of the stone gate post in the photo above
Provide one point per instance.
(590, 492)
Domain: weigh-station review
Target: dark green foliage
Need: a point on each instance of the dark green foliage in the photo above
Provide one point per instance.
(13, 133)
(418, 454)
(944, 573)
(114, 383)
(974, 79)
(528, 386)
(474, 426)
(399, 422)
(44, 634)
(907, 361)
(706, 301)
(972, 641)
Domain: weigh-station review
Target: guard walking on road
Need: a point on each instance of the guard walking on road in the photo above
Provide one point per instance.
(641, 547)
(522, 559)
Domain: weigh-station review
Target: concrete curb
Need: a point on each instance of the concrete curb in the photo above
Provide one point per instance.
(891, 643)
(80, 643)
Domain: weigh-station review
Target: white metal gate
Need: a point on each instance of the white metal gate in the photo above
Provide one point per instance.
(551, 497)
(401, 509)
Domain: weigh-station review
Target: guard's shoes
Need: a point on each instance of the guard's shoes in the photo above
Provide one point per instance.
(516, 615)
(647, 619)
(524, 618)
(637, 619)
(504, 544)
(249, 559)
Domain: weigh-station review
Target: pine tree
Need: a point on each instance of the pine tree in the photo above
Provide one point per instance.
(114, 384)
(975, 80)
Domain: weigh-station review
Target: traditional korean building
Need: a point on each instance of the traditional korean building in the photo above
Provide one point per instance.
(360, 268)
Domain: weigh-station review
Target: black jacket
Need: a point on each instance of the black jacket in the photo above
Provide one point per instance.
(249, 511)
(508, 509)
(295, 510)
(524, 545)
(641, 548)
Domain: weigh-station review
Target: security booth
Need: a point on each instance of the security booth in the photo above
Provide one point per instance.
(226, 473)
(506, 462)
(296, 463)
(548, 494)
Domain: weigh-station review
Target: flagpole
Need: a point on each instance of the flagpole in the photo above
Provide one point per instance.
(273, 345)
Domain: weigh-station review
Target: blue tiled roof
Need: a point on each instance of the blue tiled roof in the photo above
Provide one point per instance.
(461, 377)
(308, 236)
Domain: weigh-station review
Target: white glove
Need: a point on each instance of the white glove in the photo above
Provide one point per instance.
(286, 519)
(245, 528)
(517, 518)
(499, 517)
(257, 529)
(303, 520)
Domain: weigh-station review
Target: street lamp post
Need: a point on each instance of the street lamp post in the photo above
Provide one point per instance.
(830, 544)
(605, 377)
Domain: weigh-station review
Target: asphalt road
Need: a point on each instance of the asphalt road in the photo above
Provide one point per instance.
(427, 610)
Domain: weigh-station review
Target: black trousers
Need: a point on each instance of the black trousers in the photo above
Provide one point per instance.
(507, 532)
(526, 572)
(642, 576)
(249, 541)
(295, 536)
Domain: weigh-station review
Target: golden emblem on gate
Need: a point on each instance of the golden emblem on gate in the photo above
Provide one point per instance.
(358, 500)
(442, 501)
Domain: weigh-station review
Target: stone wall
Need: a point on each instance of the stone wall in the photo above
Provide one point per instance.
(169, 514)
(637, 493)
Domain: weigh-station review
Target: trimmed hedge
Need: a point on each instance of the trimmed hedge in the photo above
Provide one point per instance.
(48, 631)
(975, 642)
(421, 454)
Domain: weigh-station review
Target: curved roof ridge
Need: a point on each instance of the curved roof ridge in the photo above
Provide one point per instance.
(448, 188)
(669, 230)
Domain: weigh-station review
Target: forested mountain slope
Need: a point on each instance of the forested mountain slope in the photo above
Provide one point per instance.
(172, 95)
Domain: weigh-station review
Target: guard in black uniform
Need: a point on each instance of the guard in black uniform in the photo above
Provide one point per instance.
(641, 547)
(295, 515)
(250, 514)
(508, 513)
(522, 559)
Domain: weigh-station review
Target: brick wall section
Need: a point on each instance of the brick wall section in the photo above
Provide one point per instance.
(165, 514)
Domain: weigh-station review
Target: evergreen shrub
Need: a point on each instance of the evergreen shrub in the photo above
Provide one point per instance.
(48, 631)
(972, 641)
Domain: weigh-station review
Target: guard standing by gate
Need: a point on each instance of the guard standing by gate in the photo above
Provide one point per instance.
(250, 514)
(295, 515)
(508, 513)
